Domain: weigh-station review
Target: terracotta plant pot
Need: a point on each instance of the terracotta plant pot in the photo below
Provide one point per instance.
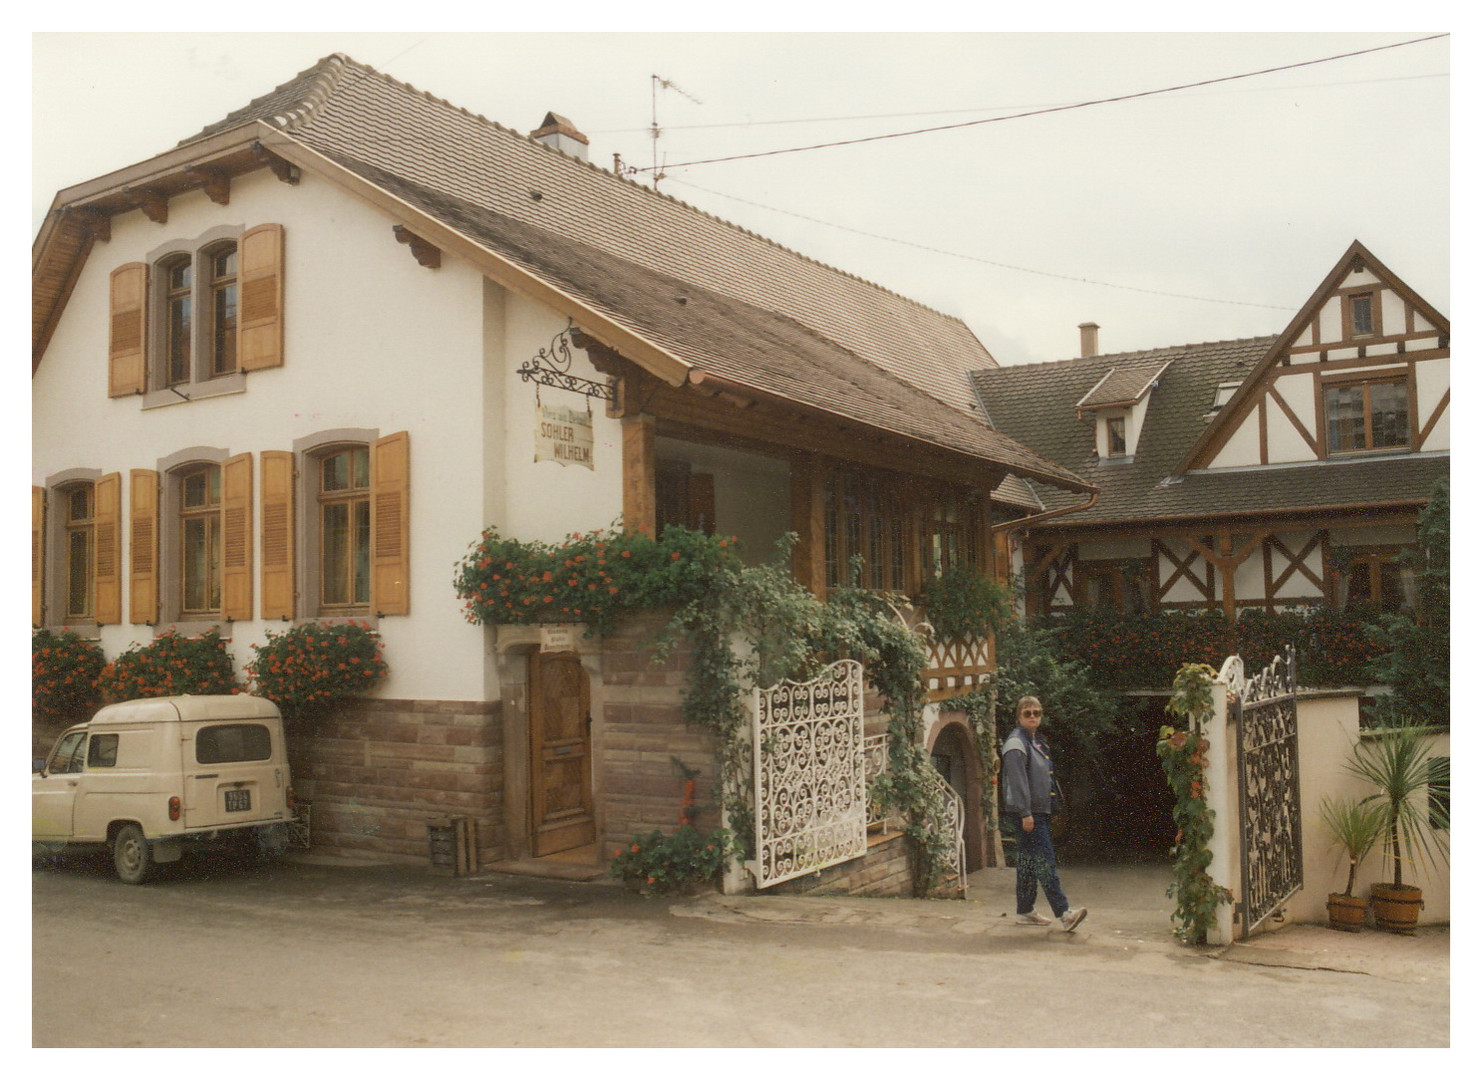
(1397, 907)
(1346, 912)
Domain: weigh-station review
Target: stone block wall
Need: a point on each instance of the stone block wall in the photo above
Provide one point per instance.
(643, 739)
(884, 870)
(378, 772)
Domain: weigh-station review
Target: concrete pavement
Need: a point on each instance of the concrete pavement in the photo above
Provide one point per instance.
(1129, 911)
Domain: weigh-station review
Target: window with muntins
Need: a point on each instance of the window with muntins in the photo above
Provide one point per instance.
(344, 530)
(222, 261)
(1371, 415)
(79, 539)
(200, 541)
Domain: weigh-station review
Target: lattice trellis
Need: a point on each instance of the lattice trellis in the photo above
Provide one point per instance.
(809, 756)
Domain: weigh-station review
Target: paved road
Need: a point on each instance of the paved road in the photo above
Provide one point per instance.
(306, 954)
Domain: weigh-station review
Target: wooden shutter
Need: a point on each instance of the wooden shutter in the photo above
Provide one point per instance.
(260, 295)
(390, 502)
(236, 538)
(38, 552)
(144, 529)
(108, 550)
(277, 535)
(128, 309)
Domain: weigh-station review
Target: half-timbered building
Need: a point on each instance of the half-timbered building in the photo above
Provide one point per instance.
(1261, 473)
(289, 369)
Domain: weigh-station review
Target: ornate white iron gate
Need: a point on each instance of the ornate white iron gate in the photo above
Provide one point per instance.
(809, 757)
(1270, 792)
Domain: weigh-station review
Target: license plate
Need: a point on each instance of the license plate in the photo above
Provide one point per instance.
(238, 799)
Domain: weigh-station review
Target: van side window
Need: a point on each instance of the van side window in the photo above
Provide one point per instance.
(233, 742)
(102, 751)
(68, 755)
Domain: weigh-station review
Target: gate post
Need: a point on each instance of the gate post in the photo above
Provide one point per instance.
(1224, 797)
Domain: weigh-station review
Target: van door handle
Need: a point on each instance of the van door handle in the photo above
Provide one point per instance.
(207, 776)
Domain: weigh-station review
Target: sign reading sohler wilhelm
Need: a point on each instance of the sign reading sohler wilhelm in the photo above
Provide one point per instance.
(563, 435)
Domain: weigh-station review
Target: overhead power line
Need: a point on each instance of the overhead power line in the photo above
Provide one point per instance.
(1054, 108)
(978, 259)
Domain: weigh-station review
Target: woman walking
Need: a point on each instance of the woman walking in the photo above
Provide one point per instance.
(1029, 797)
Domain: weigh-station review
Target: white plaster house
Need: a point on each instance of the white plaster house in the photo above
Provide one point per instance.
(277, 377)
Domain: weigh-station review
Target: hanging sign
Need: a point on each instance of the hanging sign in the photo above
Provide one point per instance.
(563, 435)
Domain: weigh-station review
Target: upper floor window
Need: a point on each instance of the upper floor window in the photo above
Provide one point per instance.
(200, 541)
(345, 530)
(1361, 314)
(863, 521)
(1368, 415)
(79, 541)
(223, 288)
(1116, 436)
(178, 303)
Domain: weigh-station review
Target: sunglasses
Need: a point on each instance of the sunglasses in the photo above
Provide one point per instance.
(1031, 712)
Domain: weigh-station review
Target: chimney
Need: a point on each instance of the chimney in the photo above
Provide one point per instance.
(1089, 345)
(558, 132)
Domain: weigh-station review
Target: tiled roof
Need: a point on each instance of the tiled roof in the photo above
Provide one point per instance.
(720, 334)
(340, 107)
(1035, 403)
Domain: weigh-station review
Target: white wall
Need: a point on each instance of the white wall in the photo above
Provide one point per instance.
(372, 340)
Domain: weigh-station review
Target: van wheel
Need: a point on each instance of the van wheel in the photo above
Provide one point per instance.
(131, 856)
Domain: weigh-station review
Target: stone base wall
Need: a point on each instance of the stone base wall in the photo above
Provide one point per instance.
(378, 772)
(884, 870)
(644, 747)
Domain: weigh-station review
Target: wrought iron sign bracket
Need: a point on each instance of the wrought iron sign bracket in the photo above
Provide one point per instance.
(552, 367)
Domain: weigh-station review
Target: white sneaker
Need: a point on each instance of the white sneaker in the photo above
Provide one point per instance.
(1072, 918)
(1034, 918)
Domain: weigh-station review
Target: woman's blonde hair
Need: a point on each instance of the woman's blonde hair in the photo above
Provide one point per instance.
(1027, 699)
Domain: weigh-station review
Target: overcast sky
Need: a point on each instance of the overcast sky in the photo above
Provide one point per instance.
(1195, 215)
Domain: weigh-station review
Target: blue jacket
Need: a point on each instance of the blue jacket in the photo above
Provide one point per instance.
(1028, 777)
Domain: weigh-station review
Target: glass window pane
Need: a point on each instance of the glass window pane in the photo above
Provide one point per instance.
(1389, 406)
(79, 572)
(362, 552)
(335, 550)
(1345, 409)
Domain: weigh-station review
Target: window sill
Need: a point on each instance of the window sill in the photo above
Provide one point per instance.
(195, 628)
(226, 384)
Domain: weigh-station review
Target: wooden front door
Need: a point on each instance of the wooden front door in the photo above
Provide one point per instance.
(560, 754)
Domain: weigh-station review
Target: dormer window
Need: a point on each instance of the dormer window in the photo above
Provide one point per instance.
(1116, 436)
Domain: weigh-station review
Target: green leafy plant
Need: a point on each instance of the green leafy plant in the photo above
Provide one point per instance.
(312, 667)
(1184, 756)
(1398, 764)
(1355, 826)
(170, 664)
(658, 864)
(965, 605)
(64, 675)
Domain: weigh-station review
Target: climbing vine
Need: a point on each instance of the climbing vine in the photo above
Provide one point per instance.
(1185, 757)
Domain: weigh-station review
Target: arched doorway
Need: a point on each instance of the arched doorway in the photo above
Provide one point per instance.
(954, 754)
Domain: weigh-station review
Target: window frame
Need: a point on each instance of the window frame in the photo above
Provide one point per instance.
(55, 568)
(1366, 384)
(358, 500)
(170, 581)
(87, 528)
(200, 376)
(309, 452)
(1371, 296)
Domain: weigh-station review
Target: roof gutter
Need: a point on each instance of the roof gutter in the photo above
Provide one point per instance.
(1035, 519)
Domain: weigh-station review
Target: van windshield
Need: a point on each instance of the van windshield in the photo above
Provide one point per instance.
(233, 742)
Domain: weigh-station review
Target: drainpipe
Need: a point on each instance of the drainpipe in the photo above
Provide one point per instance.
(1035, 519)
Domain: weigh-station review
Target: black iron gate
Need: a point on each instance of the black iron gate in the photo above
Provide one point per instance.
(1270, 792)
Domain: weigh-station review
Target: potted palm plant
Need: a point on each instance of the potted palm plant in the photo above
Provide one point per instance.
(1355, 826)
(1397, 763)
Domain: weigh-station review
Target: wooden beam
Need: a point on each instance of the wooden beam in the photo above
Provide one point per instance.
(216, 183)
(155, 206)
(640, 509)
(425, 253)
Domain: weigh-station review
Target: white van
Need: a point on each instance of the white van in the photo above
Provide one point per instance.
(147, 778)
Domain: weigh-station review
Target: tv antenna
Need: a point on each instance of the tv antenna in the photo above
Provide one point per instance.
(656, 83)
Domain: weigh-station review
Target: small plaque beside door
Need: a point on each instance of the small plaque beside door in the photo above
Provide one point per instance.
(558, 638)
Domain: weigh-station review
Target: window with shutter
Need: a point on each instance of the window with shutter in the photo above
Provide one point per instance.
(260, 298)
(107, 579)
(143, 546)
(128, 291)
(38, 554)
(390, 526)
(236, 537)
(277, 535)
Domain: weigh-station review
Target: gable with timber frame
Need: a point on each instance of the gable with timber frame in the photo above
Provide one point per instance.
(1362, 369)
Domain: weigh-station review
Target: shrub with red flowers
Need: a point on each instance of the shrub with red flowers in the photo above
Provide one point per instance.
(64, 675)
(592, 578)
(310, 668)
(170, 664)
